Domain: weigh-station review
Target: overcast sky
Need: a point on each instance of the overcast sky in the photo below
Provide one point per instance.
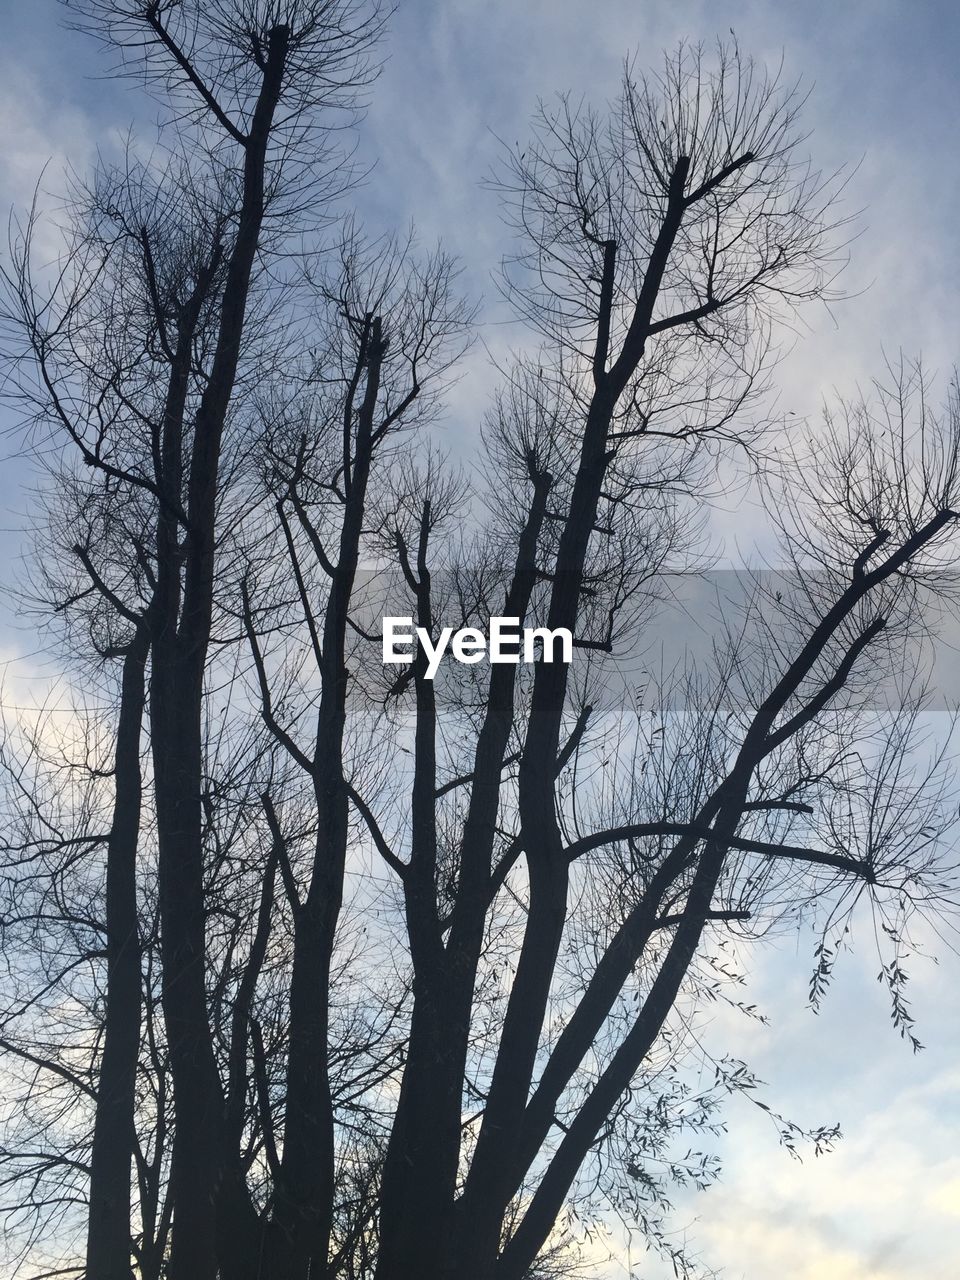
(885, 97)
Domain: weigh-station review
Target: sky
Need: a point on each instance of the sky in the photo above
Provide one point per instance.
(884, 102)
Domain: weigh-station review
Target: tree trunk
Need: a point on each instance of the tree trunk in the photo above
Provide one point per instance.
(305, 1194)
(108, 1228)
(181, 639)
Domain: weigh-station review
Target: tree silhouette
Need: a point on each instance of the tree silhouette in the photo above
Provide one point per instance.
(327, 966)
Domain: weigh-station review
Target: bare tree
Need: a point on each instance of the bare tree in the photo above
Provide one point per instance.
(409, 947)
(253, 89)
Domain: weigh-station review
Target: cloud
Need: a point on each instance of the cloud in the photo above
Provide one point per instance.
(753, 1244)
(885, 1204)
(41, 139)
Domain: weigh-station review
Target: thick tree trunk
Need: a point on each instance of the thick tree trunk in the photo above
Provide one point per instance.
(488, 1190)
(181, 638)
(198, 1097)
(417, 1187)
(418, 1225)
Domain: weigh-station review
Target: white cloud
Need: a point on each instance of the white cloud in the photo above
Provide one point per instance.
(41, 140)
